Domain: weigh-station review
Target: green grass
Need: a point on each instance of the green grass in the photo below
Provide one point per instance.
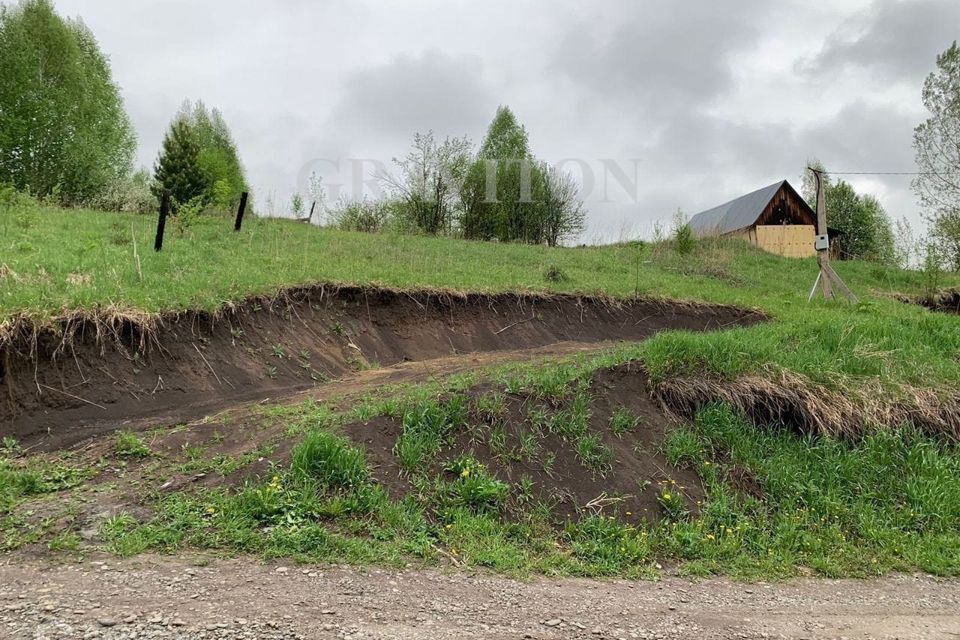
(32, 477)
(68, 260)
(129, 445)
(777, 505)
(623, 421)
(329, 460)
(888, 503)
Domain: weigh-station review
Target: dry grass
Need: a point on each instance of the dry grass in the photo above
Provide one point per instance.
(786, 398)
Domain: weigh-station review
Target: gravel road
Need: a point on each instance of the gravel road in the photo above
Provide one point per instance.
(179, 598)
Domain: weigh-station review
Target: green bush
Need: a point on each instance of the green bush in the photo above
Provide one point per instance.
(361, 215)
(684, 241)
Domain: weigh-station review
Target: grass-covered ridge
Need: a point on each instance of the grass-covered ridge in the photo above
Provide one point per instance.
(776, 505)
(53, 262)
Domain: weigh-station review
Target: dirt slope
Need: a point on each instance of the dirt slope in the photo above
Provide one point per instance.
(173, 598)
(193, 364)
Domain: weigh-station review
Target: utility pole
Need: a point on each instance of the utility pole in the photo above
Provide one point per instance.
(827, 278)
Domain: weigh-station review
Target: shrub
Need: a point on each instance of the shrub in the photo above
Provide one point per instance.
(360, 215)
(684, 240)
(129, 193)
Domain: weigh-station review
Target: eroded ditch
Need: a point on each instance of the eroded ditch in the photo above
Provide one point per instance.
(86, 376)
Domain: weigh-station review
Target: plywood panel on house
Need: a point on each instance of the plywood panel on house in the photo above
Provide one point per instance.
(791, 241)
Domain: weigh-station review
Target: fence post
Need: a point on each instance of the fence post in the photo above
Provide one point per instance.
(162, 221)
(243, 206)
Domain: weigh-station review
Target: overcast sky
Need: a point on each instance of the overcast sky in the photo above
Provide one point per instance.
(709, 99)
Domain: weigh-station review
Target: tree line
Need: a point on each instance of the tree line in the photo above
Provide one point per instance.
(499, 192)
(66, 138)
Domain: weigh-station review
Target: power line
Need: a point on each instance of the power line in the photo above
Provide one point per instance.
(877, 173)
(881, 173)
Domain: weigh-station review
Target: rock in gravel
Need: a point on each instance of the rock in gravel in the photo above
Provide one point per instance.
(554, 622)
(107, 622)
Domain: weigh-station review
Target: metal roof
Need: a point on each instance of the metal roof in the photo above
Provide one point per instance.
(736, 214)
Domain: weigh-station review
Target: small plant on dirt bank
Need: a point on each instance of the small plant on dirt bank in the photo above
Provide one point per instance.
(426, 427)
(127, 444)
(572, 424)
(329, 460)
(594, 454)
(9, 447)
(475, 487)
(672, 501)
(491, 407)
(623, 421)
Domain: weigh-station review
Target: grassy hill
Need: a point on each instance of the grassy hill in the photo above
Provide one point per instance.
(54, 262)
(772, 503)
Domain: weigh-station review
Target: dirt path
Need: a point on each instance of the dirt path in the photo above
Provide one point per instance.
(348, 387)
(153, 597)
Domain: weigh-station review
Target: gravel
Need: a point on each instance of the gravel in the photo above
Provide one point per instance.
(199, 598)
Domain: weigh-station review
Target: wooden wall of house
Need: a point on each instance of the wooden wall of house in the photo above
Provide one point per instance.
(791, 241)
(787, 208)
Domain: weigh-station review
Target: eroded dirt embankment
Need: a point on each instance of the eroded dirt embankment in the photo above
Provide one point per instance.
(98, 377)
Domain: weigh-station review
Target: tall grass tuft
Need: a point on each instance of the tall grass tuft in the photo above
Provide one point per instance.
(328, 459)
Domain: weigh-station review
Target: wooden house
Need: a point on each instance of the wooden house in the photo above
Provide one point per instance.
(774, 218)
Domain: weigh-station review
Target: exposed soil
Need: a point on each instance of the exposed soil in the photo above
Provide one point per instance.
(186, 457)
(60, 387)
(629, 487)
(948, 302)
(181, 598)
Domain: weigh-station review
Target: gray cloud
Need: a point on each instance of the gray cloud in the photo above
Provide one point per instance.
(411, 93)
(713, 99)
(660, 56)
(899, 39)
